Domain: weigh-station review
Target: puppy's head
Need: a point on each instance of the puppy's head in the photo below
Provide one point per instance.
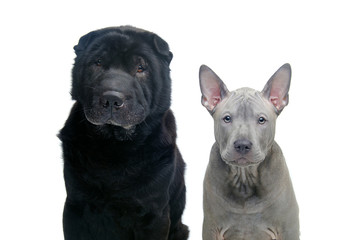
(244, 120)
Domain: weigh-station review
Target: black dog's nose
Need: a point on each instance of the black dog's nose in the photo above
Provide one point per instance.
(112, 99)
(242, 146)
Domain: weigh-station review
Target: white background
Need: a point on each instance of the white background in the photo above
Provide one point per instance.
(245, 42)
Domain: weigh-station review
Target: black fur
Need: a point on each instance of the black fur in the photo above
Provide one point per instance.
(123, 173)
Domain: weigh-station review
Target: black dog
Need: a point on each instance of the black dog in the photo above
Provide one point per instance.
(123, 173)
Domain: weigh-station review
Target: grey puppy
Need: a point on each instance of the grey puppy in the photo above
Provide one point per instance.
(248, 194)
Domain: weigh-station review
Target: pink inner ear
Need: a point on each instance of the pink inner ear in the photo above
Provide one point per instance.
(278, 98)
(214, 92)
(215, 101)
(275, 102)
(276, 90)
(275, 96)
(211, 97)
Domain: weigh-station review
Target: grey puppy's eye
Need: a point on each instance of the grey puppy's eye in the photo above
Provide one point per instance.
(227, 119)
(261, 120)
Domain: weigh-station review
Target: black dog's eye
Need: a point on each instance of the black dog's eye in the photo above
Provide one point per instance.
(140, 64)
(261, 120)
(98, 62)
(140, 68)
(227, 119)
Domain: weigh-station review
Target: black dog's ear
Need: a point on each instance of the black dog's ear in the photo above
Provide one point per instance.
(85, 41)
(163, 48)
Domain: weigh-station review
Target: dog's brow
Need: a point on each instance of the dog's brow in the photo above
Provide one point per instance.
(246, 95)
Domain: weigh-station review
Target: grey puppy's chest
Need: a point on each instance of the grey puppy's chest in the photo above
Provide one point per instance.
(236, 203)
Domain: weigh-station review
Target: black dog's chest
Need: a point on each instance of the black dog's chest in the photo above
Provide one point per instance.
(110, 169)
(101, 221)
(111, 185)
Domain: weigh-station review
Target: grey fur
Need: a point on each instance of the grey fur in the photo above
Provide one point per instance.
(248, 194)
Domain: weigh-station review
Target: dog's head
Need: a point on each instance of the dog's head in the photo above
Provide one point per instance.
(244, 120)
(121, 76)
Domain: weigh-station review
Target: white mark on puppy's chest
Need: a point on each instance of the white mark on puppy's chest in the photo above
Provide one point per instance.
(220, 233)
(243, 176)
(272, 234)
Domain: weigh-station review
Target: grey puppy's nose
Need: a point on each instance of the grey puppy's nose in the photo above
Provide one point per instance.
(112, 99)
(242, 146)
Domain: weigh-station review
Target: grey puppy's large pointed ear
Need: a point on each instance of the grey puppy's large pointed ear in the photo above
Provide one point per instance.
(277, 88)
(212, 88)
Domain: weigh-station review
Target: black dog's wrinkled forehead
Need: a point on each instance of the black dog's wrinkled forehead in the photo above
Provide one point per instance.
(121, 39)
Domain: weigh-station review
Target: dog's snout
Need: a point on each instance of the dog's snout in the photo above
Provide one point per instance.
(112, 99)
(242, 146)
